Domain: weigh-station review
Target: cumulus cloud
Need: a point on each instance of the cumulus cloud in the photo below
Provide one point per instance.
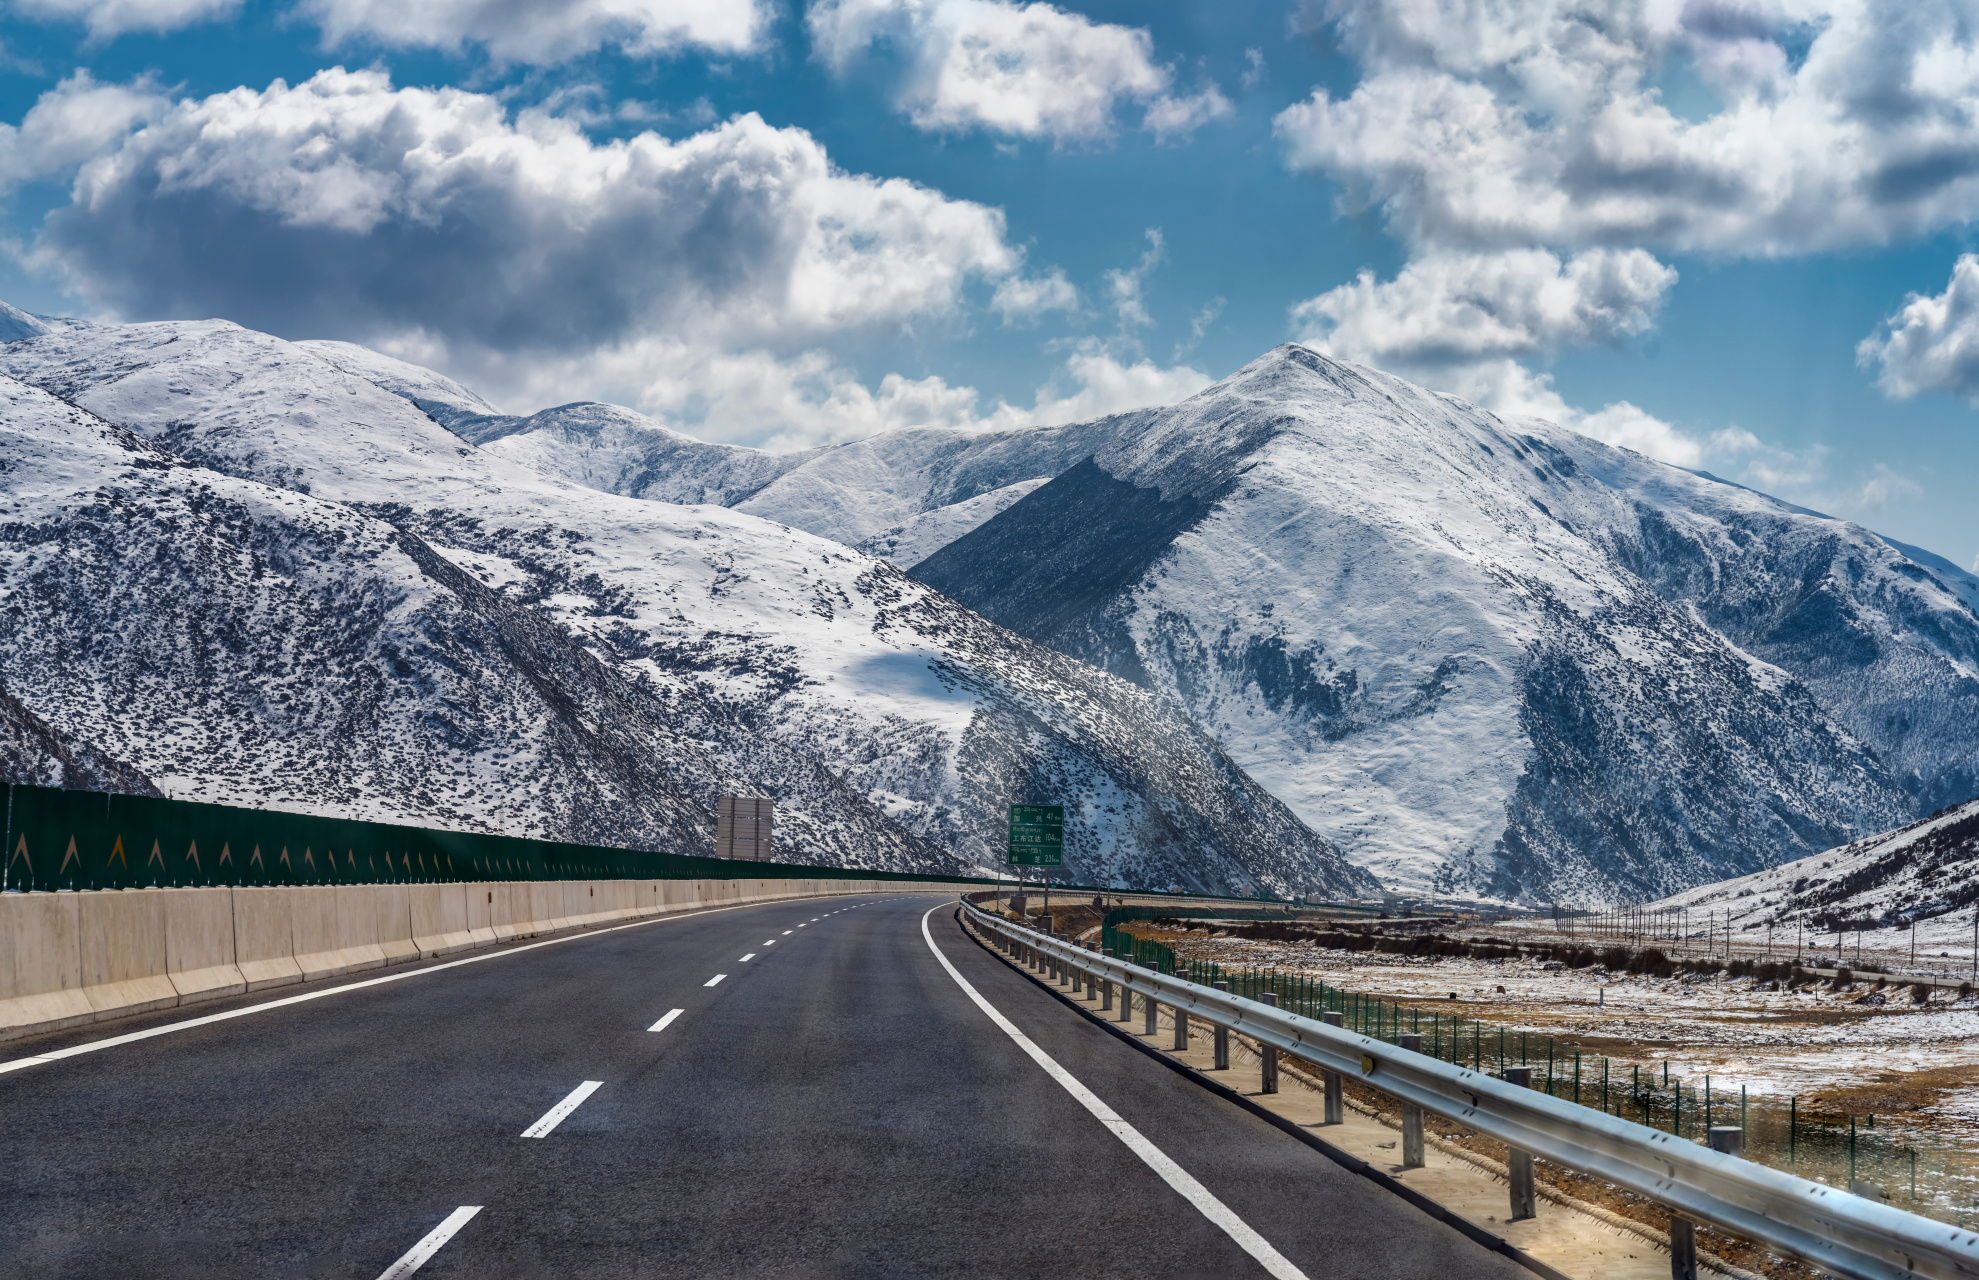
(344, 206)
(1502, 125)
(1021, 70)
(108, 18)
(1511, 390)
(528, 31)
(1454, 307)
(76, 120)
(1932, 342)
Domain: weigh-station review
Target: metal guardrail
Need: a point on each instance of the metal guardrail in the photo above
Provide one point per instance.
(1833, 1229)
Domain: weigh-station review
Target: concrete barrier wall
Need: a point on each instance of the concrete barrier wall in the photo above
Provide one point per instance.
(41, 961)
(265, 936)
(199, 943)
(72, 958)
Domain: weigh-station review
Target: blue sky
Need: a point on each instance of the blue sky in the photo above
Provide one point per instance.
(1726, 233)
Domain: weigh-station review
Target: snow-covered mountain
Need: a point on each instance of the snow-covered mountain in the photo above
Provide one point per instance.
(1495, 655)
(433, 588)
(1471, 651)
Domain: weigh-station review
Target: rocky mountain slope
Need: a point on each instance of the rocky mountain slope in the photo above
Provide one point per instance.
(1494, 655)
(435, 588)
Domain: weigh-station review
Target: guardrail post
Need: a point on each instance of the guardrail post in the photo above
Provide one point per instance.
(1270, 1084)
(1728, 1138)
(1411, 1114)
(1518, 1164)
(1683, 1248)
(1106, 984)
(1222, 1037)
(1149, 1007)
(1181, 1041)
(1336, 1110)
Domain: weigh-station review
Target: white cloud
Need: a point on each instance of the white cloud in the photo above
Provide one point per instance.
(1462, 323)
(795, 401)
(1095, 383)
(1124, 284)
(1028, 297)
(77, 119)
(1511, 390)
(1022, 70)
(530, 31)
(1455, 307)
(1172, 118)
(345, 207)
(1522, 122)
(1932, 342)
(107, 18)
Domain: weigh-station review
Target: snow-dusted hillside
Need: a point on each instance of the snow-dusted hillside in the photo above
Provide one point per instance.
(764, 645)
(1489, 655)
(1924, 871)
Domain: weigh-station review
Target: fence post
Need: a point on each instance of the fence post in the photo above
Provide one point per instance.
(1222, 1039)
(1270, 1084)
(1336, 1111)
(1411, 1114)
(1518, 1164)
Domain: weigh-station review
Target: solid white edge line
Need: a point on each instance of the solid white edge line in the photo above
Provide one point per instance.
(56, 1055)
(556, 1115)
(712, 981)
(416, 1257)
(1154, 1157)
(661, 1025)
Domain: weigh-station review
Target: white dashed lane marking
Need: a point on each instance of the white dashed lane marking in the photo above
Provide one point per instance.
(429, 1245)
(712, 981)
(555, 1115)
(661, 1025)
(746, 959)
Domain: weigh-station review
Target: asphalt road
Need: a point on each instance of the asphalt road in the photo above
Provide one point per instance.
(835, 1106)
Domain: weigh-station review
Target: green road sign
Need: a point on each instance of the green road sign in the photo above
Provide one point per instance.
(1037, 835)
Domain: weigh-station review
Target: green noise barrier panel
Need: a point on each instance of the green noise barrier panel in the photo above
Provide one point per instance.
(58, 839)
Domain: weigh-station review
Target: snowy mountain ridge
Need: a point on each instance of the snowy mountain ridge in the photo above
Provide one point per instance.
(860, 699)
(1437, 634)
